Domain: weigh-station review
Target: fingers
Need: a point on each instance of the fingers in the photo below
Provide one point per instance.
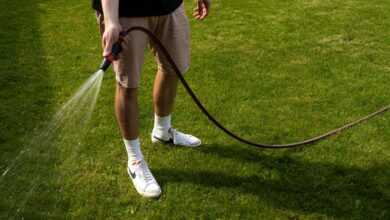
(103, 43)
(110, 37)
(107, 45)
(201, 11)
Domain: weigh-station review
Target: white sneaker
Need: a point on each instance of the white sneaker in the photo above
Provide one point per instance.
(177, 138)
(143, 180)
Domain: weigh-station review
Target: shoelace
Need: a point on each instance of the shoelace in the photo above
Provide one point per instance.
(146, 174)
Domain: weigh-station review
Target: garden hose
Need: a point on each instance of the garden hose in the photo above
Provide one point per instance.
(116, 49)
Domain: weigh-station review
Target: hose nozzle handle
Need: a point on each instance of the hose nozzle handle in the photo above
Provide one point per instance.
(115, 51)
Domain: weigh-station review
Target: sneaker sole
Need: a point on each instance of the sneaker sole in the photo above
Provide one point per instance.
(170, 142)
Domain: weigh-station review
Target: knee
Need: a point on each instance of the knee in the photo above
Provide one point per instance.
(167, 74)
(128, 93)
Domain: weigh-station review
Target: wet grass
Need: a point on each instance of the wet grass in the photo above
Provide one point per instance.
(274, 71)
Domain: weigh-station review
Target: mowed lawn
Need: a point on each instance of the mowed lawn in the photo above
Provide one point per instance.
(274, 71)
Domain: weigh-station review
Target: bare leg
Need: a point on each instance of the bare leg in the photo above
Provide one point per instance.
(164, 93)
(126, 109)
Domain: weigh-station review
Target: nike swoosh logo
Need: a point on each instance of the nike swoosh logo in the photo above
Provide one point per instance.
(170, 141)
(132, 174)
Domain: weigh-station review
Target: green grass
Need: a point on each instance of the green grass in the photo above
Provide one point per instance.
(273, 71)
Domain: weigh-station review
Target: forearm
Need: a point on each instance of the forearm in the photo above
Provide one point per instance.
(110, 11)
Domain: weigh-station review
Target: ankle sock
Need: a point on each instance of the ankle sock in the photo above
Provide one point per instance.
(161, 126)
(133, 148)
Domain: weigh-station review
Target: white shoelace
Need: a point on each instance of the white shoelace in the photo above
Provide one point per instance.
(143, 169)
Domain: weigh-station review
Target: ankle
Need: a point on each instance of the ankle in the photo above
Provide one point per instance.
(162, 122)
(133, 148)
(161, 126)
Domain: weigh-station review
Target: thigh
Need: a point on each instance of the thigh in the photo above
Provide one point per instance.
(174, 33)
(128, 67)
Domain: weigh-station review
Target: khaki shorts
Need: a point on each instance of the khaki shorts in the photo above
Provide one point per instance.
(172, 30)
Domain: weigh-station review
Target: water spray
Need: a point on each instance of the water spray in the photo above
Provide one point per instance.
(117, 48)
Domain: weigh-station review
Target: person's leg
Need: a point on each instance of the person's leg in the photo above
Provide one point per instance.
(126, 109)
(128, 71)
(173, 32)
(164, 93)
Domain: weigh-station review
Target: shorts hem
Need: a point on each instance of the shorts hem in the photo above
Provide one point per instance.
(126, 85)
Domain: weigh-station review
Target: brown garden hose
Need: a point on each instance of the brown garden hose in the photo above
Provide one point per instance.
(117, 49)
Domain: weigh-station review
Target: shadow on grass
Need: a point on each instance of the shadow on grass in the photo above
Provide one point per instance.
(25, 93)
(305, 187)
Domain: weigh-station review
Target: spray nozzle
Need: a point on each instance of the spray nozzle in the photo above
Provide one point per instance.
(115, 51)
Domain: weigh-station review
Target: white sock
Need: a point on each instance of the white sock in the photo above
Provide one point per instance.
(133, 148)
(161, 126)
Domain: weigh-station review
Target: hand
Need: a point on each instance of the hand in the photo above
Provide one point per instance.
(202, 9)
(110, 36)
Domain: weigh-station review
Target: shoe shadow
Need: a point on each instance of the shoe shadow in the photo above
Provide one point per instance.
(302, 186)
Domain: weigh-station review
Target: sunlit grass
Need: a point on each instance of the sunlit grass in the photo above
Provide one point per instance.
(273, 71)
